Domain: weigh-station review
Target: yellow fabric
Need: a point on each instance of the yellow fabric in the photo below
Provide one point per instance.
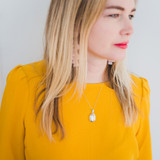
(105, 139)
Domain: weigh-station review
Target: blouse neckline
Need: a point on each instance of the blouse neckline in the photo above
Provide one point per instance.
(106, 85)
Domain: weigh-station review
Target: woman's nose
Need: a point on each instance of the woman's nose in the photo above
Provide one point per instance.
(127, 27)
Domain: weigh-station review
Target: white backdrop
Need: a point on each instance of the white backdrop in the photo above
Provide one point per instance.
(21, 30)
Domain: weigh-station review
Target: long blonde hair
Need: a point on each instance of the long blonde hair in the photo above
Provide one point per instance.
(66, 19)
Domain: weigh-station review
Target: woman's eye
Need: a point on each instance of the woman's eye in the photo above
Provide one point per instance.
(117, 15)
(114, 15)
(132, 16)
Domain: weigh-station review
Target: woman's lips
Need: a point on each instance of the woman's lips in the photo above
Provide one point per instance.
(122, 45)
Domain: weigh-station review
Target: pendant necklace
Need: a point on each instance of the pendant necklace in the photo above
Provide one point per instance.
(92, 116)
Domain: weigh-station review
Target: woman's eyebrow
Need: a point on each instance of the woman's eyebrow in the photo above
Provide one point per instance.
(119, 8)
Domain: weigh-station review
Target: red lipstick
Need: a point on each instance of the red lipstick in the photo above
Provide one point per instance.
(122, 45)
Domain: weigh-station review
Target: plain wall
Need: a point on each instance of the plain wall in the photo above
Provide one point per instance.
(21, 31)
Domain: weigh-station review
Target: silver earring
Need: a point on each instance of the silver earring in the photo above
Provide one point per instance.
(75, 60)
(109, 62)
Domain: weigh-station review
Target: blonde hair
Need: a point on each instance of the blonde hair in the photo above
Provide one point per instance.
(66, 19)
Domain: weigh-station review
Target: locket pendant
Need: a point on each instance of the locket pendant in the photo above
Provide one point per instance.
(92, 116)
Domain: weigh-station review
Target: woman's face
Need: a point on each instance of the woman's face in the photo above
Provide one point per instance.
(113, 26)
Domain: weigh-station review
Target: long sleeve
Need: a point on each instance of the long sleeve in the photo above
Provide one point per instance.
(143, 135)
(12, 113)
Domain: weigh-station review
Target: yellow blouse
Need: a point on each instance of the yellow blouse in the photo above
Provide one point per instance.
(105, 139)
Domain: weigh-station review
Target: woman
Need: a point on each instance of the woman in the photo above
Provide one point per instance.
(79, 102)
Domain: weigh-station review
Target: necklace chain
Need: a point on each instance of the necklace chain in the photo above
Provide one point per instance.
(96, 99)
(92, 115)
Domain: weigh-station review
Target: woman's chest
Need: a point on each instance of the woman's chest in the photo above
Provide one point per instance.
(105, 138)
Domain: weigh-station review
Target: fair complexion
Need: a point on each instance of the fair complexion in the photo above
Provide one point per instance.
(112, 27)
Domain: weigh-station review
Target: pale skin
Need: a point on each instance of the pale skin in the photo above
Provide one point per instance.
(112, 27)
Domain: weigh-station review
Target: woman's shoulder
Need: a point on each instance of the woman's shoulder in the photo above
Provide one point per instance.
(30, 71)
(140, 83)
(35, 69)
(141, 90)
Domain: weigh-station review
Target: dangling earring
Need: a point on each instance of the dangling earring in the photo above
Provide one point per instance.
(110, 62)
(75, 60)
